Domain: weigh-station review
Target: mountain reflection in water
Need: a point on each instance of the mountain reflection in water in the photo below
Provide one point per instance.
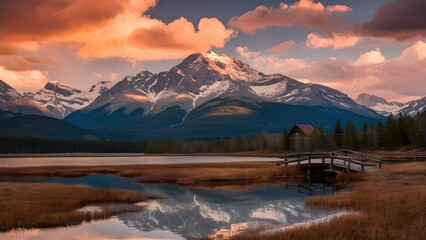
(183, 212)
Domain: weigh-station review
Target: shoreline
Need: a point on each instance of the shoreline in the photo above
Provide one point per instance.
(188, 174)
(50, 205)
(53, 155)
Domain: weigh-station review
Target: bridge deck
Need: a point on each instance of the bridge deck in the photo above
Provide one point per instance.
(348, 162)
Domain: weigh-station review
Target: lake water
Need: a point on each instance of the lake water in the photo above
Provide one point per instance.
(182, 212)
(122, 160)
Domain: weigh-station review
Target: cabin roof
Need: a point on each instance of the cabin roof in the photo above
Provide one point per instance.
(305, 128)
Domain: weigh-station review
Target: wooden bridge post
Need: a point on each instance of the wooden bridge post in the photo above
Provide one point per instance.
(348, 167)
(323, 160)
(309, 161)
(331, 160)
(362, 167)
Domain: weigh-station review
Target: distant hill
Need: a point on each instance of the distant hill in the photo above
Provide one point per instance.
(385, 108)
(43, 127)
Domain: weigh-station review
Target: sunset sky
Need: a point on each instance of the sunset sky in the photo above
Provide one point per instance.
(355, 46)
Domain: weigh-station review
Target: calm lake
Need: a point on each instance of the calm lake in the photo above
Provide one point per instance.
(182, 212)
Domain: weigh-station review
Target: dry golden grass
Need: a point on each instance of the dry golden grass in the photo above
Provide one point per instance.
(392, 205)
(27, 205)
(184, 174)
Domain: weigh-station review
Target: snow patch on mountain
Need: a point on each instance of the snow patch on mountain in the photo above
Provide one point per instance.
(8, 93)
(380, 105)
(413, 107)
(202, 77)
(12, 101)
(62, 99)
(227, 65)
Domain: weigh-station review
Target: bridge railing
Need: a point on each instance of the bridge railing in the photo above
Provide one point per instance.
(328, 158)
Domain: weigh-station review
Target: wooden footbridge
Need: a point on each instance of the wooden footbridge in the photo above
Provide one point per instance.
(344, 160)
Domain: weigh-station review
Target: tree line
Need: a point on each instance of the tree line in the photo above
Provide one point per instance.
(395, 132)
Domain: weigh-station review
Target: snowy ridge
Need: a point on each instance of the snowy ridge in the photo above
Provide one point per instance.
(380, 105)
(8, 93)
(202, 77)
(12, 101)
(62, 99)
(413, 107)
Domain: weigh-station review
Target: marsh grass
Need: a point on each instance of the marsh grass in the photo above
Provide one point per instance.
(392, 204)
(28, 205)
(183, 174)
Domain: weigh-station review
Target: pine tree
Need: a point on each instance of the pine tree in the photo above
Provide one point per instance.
(338, 134)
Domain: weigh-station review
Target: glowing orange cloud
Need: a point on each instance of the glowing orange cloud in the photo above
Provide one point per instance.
(304, 12)
(115, 28)
(28, 79)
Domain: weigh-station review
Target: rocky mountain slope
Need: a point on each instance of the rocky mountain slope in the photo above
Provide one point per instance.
(385, 108)
(13, 103)
(413, 107)
(380, 105)
(62, 99)
(213, 89)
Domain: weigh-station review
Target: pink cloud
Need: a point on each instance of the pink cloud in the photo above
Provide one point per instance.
(335, 40)
(399, 78)
(282, 47)
(303, 12)
(24, 63)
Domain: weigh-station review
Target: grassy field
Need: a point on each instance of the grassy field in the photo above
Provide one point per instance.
(183, 174)
(392, 204)
(28, 205)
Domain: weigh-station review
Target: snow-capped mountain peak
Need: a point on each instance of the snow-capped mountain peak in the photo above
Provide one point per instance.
(227, 65)
(12, 101)
(7, 92)
(413, 107)
(202, 77)
(62, 99)
(380, 105)
(61, 88)
(101, 86)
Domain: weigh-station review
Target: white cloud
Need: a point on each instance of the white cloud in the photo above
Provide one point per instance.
(270, 63)
(371, 57)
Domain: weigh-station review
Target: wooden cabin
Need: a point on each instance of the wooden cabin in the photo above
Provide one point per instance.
(299, 135)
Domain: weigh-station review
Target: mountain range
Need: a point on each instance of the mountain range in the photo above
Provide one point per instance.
(385, 108)
(206, 95)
